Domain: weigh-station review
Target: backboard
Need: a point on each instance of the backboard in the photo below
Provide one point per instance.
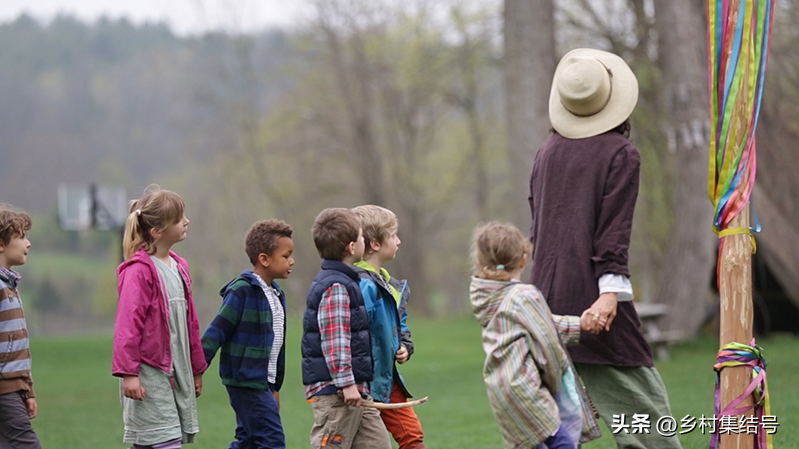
(82, 207)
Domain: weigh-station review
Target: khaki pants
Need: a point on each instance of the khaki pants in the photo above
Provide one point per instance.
(629, 391)
(340, 426)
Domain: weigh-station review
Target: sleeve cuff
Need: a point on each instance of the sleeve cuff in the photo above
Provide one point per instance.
(568, 328)
(344, 379)
(616, 283)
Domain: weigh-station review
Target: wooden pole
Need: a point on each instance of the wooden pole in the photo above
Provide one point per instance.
(735, 287)
(735, 260)
(735, 290)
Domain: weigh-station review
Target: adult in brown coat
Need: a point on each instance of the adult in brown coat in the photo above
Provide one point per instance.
(583, 189)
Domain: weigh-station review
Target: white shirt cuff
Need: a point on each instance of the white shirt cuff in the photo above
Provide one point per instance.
(616, 283)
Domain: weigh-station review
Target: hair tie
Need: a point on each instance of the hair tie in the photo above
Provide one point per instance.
(500, 267)
(138, 212)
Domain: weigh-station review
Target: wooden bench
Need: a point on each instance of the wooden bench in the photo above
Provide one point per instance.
(649, 314)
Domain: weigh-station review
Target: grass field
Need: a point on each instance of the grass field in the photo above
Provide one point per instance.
(79, 405)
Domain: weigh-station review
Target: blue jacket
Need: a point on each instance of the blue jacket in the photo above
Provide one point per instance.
(243, 329)
(314, 366)
(387, 324)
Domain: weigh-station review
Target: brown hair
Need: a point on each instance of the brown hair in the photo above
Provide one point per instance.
(378, 223)
(156, 209)
(624, 129)
(334, 229)
(263, 238)
(497, 250)
(13, 223)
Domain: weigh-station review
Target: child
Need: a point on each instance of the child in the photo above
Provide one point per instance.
(157, 348)
(536, 398)
(386, 299)
(17, 403)
(336, 344)
(251, 327)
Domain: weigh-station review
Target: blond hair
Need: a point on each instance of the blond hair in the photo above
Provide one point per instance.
(13, 223)
(378, 223)
(156, 209)
(498, 250)
(334, 229)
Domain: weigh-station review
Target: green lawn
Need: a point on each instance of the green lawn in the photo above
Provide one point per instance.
(79, 405)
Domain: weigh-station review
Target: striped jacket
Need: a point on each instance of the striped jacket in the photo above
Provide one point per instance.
(525, 360)
(243, 330)
(15, 354)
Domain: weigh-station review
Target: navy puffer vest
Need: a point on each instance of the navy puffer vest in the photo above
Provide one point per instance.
(314, 368)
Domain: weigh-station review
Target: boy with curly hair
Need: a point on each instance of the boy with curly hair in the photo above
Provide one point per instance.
(250, 327)
(17, 403)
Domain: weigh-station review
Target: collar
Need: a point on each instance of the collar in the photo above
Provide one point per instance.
(263, 283)
(10, 276)
(337, 265)
(368, 267)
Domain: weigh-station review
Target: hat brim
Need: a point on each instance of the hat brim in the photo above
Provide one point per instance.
(623, 98)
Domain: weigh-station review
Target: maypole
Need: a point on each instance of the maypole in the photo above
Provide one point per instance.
(738, 41)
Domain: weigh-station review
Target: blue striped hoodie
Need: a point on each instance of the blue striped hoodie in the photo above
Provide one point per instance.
(243, 330)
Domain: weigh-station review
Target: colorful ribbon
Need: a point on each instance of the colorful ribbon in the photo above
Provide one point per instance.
(736, 231)
(738, 49)
(738, 39)
(737, 354)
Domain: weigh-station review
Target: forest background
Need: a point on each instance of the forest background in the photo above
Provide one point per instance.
(432, 109)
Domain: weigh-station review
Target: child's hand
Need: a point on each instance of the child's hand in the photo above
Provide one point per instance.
(30, 404)
(402, 354)
(276, 395)
(351, 396)
(131, 388)
(591, 321)
(198, 385)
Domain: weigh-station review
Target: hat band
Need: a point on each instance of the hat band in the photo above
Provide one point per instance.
(607, 100)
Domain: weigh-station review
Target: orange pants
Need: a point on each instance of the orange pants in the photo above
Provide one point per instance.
(403, 424)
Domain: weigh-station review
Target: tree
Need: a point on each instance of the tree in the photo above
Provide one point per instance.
(382, 100)
(685, 280)
(529, 65)
(471, 55)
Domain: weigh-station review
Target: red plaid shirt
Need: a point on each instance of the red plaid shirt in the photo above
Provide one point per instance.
(334, 328)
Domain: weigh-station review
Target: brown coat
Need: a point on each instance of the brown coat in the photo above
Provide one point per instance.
(582, 198)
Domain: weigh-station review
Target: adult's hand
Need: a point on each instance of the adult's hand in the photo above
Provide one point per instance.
(606, 306)
(590, 321)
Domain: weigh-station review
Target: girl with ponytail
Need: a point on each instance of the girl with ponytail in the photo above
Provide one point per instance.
(157, 349)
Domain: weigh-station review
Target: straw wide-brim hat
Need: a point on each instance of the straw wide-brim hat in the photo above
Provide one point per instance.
(593, 91)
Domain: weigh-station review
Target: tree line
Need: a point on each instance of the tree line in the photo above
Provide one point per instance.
(432, 110)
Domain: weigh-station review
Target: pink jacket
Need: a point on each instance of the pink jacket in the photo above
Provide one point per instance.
(141, 333)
